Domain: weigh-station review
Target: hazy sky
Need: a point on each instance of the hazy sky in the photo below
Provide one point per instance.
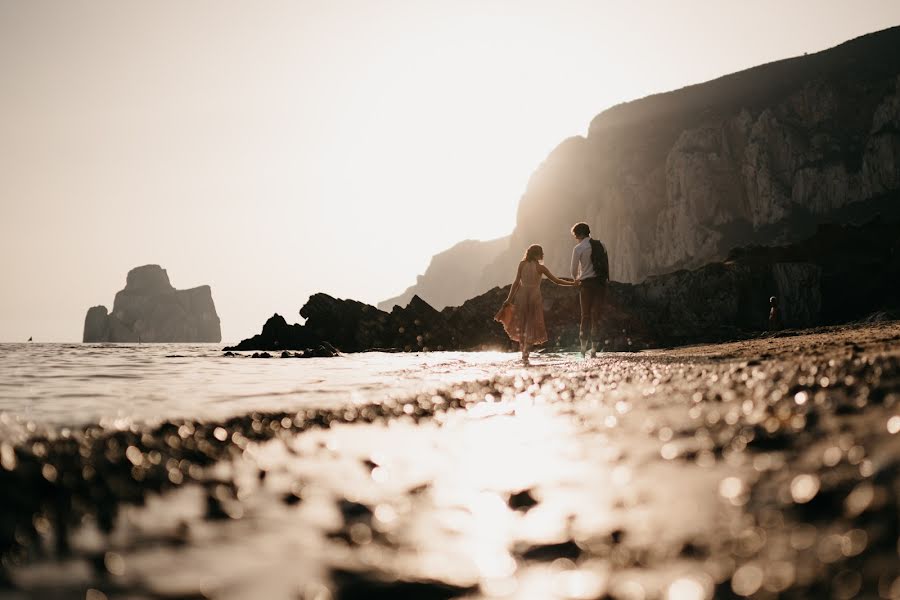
(276, 148)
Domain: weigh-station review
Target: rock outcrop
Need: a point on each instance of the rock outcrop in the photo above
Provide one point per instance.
(149, 309)
(840, 274)
(96, 325)
(676, 180)
(352, 326)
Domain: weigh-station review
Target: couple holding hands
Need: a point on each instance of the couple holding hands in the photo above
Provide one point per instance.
(522, 314)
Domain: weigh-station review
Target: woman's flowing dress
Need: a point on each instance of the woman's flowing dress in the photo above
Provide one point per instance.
(525, 316)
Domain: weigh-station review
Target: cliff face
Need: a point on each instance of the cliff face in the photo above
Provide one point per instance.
(762, 156)
(149, 309)
(453, 276)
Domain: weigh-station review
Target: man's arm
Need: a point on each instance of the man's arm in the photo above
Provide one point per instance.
(544, 270)
(575, 262)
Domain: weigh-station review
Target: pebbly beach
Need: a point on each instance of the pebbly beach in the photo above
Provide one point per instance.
(760, 468)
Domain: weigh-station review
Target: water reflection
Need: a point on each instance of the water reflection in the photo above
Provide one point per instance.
(65, 384)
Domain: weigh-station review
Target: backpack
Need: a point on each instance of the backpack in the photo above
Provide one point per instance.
(600, 260)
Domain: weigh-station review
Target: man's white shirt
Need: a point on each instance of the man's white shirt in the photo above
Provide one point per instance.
(582, 268)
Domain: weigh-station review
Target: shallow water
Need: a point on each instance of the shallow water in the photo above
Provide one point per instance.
(72, 384)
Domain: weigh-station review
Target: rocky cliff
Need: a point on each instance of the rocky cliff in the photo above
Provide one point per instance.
(149, 309)
(840, 274)
(453, 276)
(762, 156)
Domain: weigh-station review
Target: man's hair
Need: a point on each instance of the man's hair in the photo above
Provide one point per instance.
(581, 229)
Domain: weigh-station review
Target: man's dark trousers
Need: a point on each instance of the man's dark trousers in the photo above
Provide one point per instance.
(592, 294)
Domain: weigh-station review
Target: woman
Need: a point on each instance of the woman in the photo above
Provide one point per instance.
(522, 314)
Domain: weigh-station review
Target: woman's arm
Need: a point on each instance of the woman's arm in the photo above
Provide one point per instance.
(554, 278)
(515, 285)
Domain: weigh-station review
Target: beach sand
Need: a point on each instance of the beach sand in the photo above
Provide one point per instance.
(763, 468)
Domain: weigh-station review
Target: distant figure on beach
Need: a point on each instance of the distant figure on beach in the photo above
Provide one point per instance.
(590, 268)
(29, 339)
(774, 314)
(522, 314)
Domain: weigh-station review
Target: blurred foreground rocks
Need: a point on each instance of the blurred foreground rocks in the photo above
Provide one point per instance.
(761, 469)
(149, 309)
(842, 273)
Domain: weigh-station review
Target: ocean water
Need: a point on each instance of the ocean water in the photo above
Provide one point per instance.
(61, 385)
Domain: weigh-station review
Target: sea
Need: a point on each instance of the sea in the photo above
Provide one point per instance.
(72, 384)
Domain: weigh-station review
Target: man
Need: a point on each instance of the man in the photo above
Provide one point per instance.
(592, 284)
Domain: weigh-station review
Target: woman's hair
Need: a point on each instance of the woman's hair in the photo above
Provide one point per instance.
(534, 252)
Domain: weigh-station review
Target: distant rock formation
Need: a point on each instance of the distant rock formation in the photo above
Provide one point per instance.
(676, 180)
(840, 274)
(96, 325)
(453, 276)
(352, 326)
(149, 309)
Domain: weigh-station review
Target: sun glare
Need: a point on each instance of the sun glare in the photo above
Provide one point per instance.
(449, 125)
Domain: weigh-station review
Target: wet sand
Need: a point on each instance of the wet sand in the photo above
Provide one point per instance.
(763, 468)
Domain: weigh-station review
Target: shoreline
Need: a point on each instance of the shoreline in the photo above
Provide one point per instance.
(777, 453)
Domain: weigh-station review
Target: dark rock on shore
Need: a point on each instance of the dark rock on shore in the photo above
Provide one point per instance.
(859, 267)
(324, 350)
(149, 309)
(840, 274)
(353, 585)
(351, 326)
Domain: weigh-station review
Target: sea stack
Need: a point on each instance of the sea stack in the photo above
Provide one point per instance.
(149, 309)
